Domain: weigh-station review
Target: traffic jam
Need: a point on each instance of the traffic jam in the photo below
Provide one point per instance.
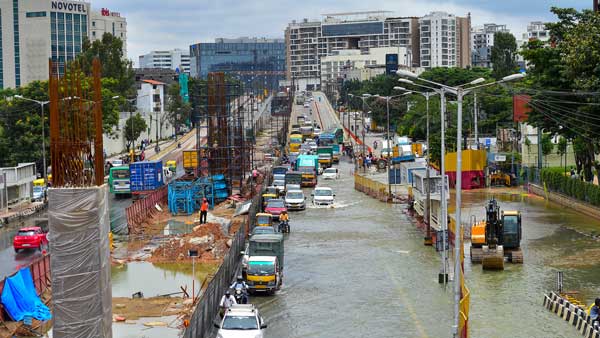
(297, 184)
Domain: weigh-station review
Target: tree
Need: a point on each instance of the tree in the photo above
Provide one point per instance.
(568, 64)
(134, 126)
(177, 111)
(561, 149)
(109, 50)
(504, 55)
(547, 146)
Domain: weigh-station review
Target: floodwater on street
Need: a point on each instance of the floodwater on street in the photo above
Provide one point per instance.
(361, 269)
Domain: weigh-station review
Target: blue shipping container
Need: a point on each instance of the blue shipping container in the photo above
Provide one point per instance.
(146, 176)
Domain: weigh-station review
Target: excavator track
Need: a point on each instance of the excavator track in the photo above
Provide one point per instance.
(476, 255)
(516, 256)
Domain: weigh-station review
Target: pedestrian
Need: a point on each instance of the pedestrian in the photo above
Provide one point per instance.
(203, 210)
(595, 311)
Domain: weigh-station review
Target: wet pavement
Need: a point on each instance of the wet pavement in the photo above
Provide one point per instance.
(361, 269)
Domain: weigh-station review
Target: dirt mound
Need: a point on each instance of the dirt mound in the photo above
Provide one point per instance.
(208, 239)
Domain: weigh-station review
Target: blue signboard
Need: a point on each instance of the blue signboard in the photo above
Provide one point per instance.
(391, 64)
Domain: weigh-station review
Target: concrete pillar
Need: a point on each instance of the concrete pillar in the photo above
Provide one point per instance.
(80, 262)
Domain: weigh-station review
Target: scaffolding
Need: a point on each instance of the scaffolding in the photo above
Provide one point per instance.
(227, 124)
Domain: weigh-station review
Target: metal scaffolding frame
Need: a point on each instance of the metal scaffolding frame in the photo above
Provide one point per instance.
(229, 143)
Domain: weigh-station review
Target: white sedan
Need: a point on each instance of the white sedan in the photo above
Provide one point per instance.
(323, 196)
(331, 174)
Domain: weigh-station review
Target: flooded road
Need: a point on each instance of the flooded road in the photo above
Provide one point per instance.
(361, 269)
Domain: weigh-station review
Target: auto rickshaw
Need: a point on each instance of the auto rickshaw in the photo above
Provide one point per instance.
(172, 165)
(270, 193)
(264, 220)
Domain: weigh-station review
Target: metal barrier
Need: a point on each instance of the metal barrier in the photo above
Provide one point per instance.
(40, 273)
(201, 323)
(372, 188)
(141, 210)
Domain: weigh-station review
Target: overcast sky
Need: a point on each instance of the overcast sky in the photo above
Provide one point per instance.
(162, 25)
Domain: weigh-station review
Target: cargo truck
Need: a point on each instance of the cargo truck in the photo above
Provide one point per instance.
(145, 177)
(325, 156)
(190, 161)
(336, 153)
(308, 165)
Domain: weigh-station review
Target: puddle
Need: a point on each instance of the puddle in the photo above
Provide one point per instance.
(174, 227)
(156, 279)
(139, 330)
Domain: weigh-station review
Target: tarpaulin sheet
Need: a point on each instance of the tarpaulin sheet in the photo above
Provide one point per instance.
(20, 299)
(80, 262)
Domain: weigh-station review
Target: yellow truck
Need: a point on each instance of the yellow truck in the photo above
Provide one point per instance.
(190, 160)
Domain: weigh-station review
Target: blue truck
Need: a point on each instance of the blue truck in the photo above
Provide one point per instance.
(145, 176)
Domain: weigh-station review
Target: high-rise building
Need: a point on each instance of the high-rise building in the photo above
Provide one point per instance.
(482, 41)
(308, 41)
(445, 40)
(34, 31)
(537, 30)
(105, 21)
(166, 59)
(257, 62)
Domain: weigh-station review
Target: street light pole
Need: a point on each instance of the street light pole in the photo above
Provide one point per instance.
(475, 119)
(444, 204)
(428, 204)
(387, 137)
(457, 221)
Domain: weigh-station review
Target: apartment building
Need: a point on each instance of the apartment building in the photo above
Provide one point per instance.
(482, 41)
(307, 42)
(445, 40)
(166, 59)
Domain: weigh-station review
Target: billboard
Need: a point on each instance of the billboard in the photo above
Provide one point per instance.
(353, 29)
(391, 64)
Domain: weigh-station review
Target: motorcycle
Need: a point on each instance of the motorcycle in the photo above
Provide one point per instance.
(284, 227)
(240, 296)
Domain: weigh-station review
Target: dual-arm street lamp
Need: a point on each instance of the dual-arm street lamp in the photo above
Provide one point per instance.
(460, 92)
(427, 95)
(42, 104)
(388, 142)
(364, 97)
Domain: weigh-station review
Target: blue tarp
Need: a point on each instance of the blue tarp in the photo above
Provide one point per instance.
(20, 299)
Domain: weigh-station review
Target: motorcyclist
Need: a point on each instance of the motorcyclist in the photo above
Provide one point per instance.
(227, 301)
(284, 219)
(241, 284)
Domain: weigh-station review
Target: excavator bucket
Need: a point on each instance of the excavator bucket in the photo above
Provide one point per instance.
(493, 258)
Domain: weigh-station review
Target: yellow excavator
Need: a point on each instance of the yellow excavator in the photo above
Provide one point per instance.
(497, 237)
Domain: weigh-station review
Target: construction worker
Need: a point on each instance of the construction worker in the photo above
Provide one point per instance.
(203, 210)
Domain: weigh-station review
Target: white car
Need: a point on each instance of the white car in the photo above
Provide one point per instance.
(290, 186)
(295, 200)
(331, 174)
(313, 146)
(241, 321)
(323, 196)
(279, 184)
(278, 177)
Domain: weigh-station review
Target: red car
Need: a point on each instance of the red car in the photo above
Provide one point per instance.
(30, 237)
(275, 207)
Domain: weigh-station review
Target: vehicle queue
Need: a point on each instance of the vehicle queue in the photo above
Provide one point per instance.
(310, 158)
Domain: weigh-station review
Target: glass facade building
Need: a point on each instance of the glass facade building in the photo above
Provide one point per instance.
(67, 32)
(256, 62)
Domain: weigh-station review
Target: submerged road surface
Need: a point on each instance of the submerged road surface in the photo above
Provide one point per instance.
(360, 269)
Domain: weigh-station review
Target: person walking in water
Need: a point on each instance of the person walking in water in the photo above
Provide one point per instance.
(203, 211)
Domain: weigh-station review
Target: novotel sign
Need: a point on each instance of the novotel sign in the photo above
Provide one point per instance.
(68, 6)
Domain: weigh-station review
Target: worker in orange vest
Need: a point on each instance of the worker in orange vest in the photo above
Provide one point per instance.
(203, 210)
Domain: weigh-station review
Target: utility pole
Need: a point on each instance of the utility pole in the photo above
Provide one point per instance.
(443, 277)
(475, 119)
(428, 204)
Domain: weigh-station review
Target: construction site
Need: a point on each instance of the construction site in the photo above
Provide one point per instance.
(169, 265)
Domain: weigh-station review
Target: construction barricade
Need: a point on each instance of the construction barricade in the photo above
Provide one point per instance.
(138, 212)
(372, 188)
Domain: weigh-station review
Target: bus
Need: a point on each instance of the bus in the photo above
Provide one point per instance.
(118, 180)
(339, 135)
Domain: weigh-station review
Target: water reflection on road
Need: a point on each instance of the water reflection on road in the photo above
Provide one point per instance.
(362, 270)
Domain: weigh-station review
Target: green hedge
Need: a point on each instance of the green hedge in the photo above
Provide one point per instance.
(583, 191)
